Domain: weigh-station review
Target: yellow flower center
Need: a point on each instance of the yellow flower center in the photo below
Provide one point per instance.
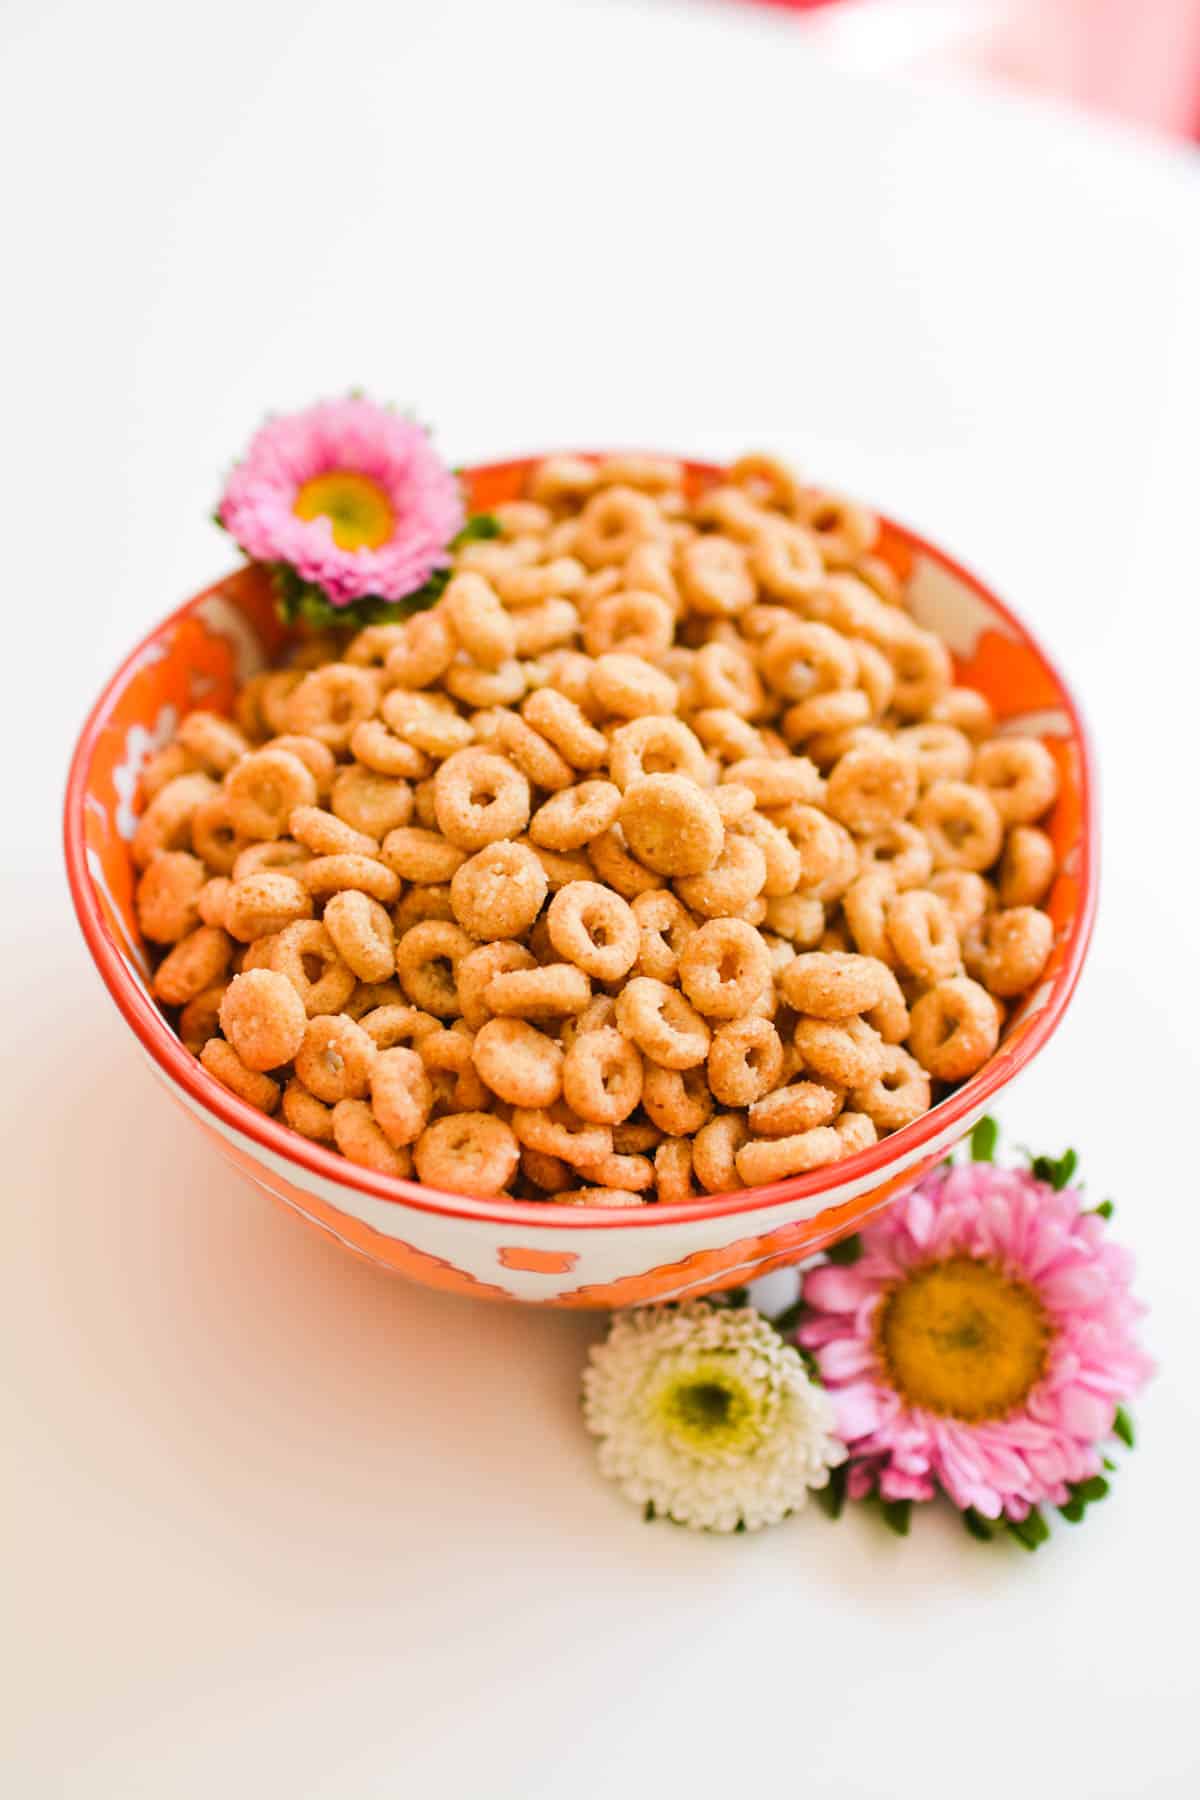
(959, 1337)
(357, 508)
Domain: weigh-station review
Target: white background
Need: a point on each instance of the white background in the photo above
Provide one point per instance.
(278, 1524)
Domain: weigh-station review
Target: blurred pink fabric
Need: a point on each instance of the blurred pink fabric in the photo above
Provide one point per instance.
(1136, 59)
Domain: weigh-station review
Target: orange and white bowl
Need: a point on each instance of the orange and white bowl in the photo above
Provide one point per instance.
(508, 1250)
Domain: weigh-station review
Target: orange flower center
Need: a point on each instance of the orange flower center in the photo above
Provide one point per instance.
(357, 508)
(961, 1338)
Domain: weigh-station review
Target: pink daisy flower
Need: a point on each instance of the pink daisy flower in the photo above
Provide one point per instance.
(349, 495)
(981, 1343)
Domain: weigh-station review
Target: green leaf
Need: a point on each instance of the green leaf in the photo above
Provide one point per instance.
(733, 1297)
(1029, 1532)
(478, 526)
(649, 1514)
(1074, 1510)
(1094, 1488)
(897, 1515)
(983, 1140)
(1042, 1168)
(978, 1526)
(301, 601)
(832, 1497)
(1067, 1165)
(848, 1251)
(1123, 1426)
(786, 1322)
(1105, 1209)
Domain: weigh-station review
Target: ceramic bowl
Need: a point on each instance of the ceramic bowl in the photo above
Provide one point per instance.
(500, 1249)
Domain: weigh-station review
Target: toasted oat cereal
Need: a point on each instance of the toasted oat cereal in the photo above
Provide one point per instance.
(662, 856)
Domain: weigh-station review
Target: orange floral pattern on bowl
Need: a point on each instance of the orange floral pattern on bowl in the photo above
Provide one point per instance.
(516, 1251)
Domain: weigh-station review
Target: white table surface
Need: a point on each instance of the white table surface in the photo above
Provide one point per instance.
(276, 1523)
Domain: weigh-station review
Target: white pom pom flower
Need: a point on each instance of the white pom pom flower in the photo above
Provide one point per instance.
(705, 1416)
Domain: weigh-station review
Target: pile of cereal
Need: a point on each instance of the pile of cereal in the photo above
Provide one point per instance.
(661, 857)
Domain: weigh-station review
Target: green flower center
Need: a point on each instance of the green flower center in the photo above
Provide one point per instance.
(356, 507)
(706, 1409)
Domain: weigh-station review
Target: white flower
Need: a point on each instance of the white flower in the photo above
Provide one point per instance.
(708, 1417)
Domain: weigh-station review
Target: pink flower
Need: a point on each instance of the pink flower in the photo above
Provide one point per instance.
(349, 495)
(981, 1343)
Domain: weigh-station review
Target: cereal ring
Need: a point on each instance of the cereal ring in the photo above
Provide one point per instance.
(426, 958)
(446, 1055)
(846, 1051)
(786, 561)
(560, 719)
(257, 955)
(714, 577)
(714, 1150)
(630, 1173)
(724, 676)
(371, 803)
(557, 1131)
(804, 658)
(371, 647)
(1020, 777)
(656, 746)
(167, 821)
(164, 766)
(673, 1172)
(602, 1077)
(791, 1110)
(277, 687)
(307, 955)
(275, 853)
(782, 860)
(612, 524)
(857, 1132)
(889, 1015)
(727, 889)
(629, 687)
(795, 918)
(546, 626)
(499, 892)
(962, 825)
(475, 970)
(329, 702)
(561, 478)
(1026, 867)
(376, 747)
(652, 474)
(832, 984)
(735, 804)
(965, 709)
(260, 905)
(503, 686)
(325, 835)
(840, 710)
(401, 1094)
(550, 1173)
(663, 1025)
(678, 1101)
(263, 1017)
(168, 897)
(726, 733)
(941, 752)
(306, 1114)
(955, 1027)
(200, 1019)
(479, 621)
(631, 620)
(538, 993)
(391, 1024)
(362, 934)
(336, 1056)
(359, 1138)
(864, 907)
(872, 786)
(671, 825)
(518, 1062)
(599, 1196)
(533, 754)
(900, 850)
(612, 862)
(876, 678)
(593, 928)
(745, 1061)
(724, 967)
(215, 742)
(577, 816)
(899, 1093)
(967, 896)
(421, 856)
(224, 1065)
(923, 670)
(196, 962)
(328, 874)
(560, 578)
(778, 780)
(763, 1160)
(264, 789)
(923, 936)
(1009, 949)
(369, 995)
(480, 798)
(430, 901)
(664, 928)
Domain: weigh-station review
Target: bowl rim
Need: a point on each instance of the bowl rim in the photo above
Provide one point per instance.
(165, 1049)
